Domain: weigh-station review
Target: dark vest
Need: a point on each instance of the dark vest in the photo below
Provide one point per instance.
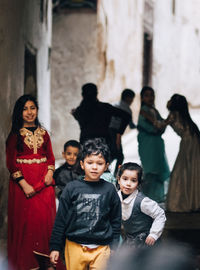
(138, 221)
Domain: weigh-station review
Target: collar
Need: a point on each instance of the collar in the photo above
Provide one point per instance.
(131, 197)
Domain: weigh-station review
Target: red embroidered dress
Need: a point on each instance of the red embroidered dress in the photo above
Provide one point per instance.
(30, 220)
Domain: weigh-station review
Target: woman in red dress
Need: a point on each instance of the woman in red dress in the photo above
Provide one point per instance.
(31, 202)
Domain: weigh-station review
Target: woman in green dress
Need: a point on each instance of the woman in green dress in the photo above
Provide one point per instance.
(151, 147)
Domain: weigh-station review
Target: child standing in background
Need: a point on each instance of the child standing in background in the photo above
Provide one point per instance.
(71, 169)
(88, 220)
(142, 218)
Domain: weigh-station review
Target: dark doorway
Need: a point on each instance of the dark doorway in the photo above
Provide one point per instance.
(147, 59)
(30, 72)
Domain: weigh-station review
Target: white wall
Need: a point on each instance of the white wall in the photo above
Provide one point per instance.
(39, 34)
(74, 63)
(119, 48)
(176, 53)
(120, 29)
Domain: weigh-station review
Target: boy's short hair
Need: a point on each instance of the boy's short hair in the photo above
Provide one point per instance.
(127, 93)
(89, 91)
(72, 143)
(132, 167)
(96, 146)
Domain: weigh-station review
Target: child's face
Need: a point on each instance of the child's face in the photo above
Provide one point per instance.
(148, 98)
(94, 166)
(29, 113)
(70, 155)
(128, 181)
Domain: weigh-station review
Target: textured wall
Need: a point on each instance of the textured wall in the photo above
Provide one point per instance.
(176, 51)
(109, 51)
(120, 41)
(74, 62)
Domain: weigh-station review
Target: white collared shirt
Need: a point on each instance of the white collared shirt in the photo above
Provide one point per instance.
(148, 207)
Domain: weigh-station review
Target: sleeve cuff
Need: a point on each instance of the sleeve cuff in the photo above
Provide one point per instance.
(19, 179)
(51, 167)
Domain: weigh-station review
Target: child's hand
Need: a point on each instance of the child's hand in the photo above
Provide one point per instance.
(54, 255)
(48, 179)
(150, 241)
(27, 188)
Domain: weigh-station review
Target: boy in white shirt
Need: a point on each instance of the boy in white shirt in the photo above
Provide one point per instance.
(142, 218)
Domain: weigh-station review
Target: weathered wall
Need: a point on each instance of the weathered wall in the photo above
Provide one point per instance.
(20, 24)
(120, 40)
(115, 49)
(176, 54)
(74, 62)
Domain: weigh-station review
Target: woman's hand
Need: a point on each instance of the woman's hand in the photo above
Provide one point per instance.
(147, 115)
(27, 188)
(150, 241)
(48, 179)
(54, 255)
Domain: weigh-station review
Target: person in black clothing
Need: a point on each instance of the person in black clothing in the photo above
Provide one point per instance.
(71, 169)
(89, 214)
(94, 116)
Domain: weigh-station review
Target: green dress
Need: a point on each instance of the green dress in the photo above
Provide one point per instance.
(152, 154)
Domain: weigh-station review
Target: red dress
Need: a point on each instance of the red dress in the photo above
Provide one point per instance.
(30, 220)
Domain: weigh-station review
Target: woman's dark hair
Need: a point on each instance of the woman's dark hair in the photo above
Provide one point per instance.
(17, 118)
(144, 89)
(95, 147)
(179, 103)
(132, 167)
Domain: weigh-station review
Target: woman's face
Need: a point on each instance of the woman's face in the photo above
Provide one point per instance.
(29, 114)
(148, 98)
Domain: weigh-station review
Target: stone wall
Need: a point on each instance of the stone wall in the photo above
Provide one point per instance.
(176, 54)
(107, 48)
(74, 63)
(120, 37)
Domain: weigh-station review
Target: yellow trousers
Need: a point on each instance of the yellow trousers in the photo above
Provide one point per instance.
(78, 257)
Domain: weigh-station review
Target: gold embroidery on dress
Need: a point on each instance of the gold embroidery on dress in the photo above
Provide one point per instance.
(31, 161)
(33, 140)
(51, 167)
